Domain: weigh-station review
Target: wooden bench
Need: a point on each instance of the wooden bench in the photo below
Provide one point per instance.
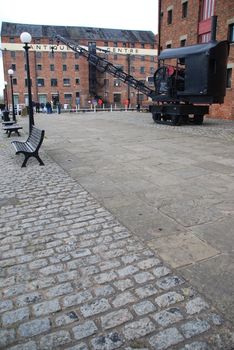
(31, 146)
(12, 128)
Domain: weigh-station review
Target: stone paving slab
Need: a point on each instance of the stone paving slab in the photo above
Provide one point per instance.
(73, 277)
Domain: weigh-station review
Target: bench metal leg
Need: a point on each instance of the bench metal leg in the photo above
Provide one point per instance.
(25, 161)
(39, 160)
(27, 156)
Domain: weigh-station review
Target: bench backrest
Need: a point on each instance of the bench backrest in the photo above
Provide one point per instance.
(36, 137)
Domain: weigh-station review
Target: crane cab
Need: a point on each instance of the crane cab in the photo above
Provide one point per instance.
(189, 76)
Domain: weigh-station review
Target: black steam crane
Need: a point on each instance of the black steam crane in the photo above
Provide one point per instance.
(189, 79)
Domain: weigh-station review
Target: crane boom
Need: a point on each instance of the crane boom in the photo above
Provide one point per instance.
(102, 65)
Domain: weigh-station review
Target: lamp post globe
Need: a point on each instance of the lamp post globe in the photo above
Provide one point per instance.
(26, 38)
(10, 73)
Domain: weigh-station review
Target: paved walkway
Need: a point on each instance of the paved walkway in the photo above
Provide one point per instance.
(73, 277)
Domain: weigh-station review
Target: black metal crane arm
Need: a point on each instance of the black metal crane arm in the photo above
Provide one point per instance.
(105, 66)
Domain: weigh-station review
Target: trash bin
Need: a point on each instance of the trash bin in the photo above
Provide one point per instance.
(6, 117)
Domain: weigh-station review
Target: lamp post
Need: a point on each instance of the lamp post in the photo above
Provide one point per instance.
(10, 73)
(6, 95)
(26, 39)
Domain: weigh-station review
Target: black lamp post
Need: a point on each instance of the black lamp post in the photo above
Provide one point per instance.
(6, 96)
(26, 39)
(10, 73)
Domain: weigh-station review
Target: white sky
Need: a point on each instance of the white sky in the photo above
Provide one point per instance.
(118, 14)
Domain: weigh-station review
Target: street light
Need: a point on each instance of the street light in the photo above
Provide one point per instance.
(10, 73)
(26, 39)
(6, 95)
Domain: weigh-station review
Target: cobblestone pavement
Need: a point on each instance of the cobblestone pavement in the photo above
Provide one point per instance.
(72, 277)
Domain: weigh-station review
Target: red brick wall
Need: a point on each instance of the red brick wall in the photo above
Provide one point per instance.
(180, 26)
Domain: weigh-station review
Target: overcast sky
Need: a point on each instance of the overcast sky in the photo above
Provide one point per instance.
(123, 14)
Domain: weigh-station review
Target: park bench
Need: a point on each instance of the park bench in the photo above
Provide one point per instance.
(9, 128)
(31, 146)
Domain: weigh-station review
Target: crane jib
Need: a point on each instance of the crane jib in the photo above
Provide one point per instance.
(105, 66)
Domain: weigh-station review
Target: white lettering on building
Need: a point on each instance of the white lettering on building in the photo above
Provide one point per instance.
(62, 48)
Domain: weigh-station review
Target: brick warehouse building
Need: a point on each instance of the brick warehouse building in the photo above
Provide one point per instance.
(188, 22)
(65, 76)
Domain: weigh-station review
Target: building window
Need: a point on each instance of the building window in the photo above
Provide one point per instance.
(64, 67)
(132, 69)
(119, 66)
(66, 82)
(40, 82)
(13, 66)
(207, 9)
(140, 98)
(231, 33)
(51, 54)
(115, 44)
(117, 98)
(152, 70)
(13, 54)
(117, 82)
(106, 82)
(12, 40)
(142, 58)
(132, 44)
(26, 82)
(115, 57)
(53, 82)
(77, 81)
(150, 80)
(38, 54)
(229, 78)
(39, 67)
(185, 9)
(204, 38)
(168, 46)
(151, 58)
(182, 42)
(68, 97)
(124, 44)
(76, 67)
(77, 55)
(106, 43)
(142, 70)
(64, 55)
(14, 81)
(52, 67)
(142, 46)
(169, 17)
